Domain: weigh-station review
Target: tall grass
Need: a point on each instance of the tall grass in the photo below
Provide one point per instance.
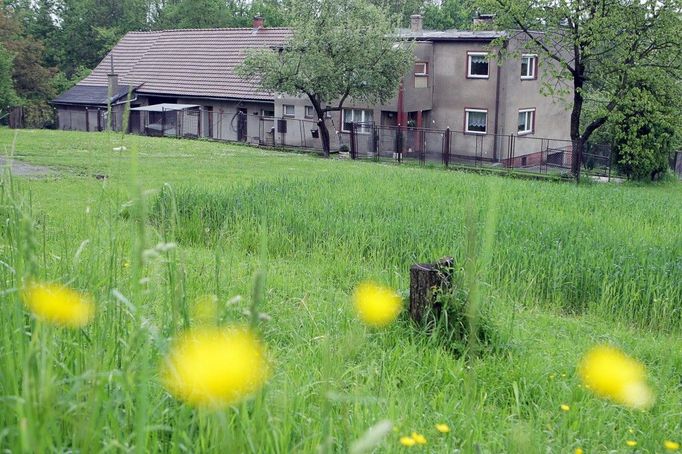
(571, 249)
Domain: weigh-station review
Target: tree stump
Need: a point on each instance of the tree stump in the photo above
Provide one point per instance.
(425, 279)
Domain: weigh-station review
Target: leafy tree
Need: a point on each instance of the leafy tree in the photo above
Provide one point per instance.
(8, 96)
(340, 49)
(595, 49)
(448, 14)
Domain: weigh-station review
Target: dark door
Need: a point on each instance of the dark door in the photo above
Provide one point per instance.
(242, 132)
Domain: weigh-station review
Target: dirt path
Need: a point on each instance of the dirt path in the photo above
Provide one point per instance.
(22, 169)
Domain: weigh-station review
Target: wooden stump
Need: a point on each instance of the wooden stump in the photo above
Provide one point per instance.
(426, 278)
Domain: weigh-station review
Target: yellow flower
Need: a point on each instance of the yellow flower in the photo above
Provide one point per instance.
(58, 305)
(671, 445)
(419, 438)
(564, 407)
(376, 306)
(442, 428)
(612, 374)
(407, 441)
(631, 443)
(215, 367)
(578, 451)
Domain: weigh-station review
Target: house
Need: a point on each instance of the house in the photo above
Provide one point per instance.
(165, 72)
(456, 83)
(182, 83)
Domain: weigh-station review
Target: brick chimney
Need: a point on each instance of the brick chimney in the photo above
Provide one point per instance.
(257, 22)
(484, 19)
(416, 23)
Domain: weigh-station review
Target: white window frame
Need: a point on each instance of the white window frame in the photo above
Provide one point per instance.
(466, 120)
(425, 70)
(362, 129)
(529, 119)
(477, 76)
(284, 110)
(532, 66)
(312, 112)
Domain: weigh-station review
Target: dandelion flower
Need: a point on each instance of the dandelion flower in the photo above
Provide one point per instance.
(578, 451)
(215, 367)
(442, 428)
(376, 306)
(671, 445)
(58, 305)
(564, 407)
(612, 374)
(419, 438)
(407, 441)
(631, 443)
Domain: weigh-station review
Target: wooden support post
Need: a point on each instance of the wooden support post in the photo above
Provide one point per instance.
(424, 280)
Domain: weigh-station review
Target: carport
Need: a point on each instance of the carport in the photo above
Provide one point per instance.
(168, 119)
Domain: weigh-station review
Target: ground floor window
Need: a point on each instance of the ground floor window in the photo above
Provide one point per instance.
(476, 121)
(526, 121)
(288, 110)
(365, 118)
(309, 112)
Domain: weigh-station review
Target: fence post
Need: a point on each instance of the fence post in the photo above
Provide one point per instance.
(352, 140)
(446, 147)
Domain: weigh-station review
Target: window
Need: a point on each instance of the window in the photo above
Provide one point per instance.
(476, 121)
(362, 116)
(267, 113)
(526, 121)
(477, 67)
(528, 66)
(421, 68)
(309, 112)
(288, 110)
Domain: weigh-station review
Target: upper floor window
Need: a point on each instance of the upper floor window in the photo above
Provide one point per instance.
(364, 118)
(476, 121)
(421, 68)
(477, 66)
(529, 65)
(288, 110)
(526, 121)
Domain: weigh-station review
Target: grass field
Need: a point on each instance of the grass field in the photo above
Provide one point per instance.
(149, 230)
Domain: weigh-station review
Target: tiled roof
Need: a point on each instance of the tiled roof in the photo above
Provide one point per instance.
(197, 63)
(92, 96)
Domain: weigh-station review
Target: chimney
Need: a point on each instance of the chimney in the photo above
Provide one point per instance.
(416, 23)
(112, 79)
(257, 22)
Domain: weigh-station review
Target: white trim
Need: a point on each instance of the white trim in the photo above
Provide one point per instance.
(529, 119)
(466, 120)
(477, 76)
(365, 123)
(284, 110)
(533, 62)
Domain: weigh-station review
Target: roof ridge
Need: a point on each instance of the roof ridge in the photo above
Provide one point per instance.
(172, 30)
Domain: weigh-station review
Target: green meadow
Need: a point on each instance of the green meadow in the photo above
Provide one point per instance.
(150, 229)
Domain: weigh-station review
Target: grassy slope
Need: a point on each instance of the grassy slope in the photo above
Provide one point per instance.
(330, 224)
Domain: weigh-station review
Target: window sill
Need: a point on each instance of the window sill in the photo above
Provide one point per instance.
(469, 76)
(475, 133)
(525, 133)
(528, 78)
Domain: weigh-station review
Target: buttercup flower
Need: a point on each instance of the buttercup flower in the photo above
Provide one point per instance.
(612, 374)
(376, 306)
(564, 407)
(578, 451)
(631, 443)
(671, 445)
(407, 441)
(419, 438)
(58, 305)
(442, 428)
(215, 367)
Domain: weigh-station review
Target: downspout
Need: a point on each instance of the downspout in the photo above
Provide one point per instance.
(497, 106)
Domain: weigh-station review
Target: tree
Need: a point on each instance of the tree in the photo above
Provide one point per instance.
(8, 96)
(447, 14)
(596, 48)
(340, 50)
